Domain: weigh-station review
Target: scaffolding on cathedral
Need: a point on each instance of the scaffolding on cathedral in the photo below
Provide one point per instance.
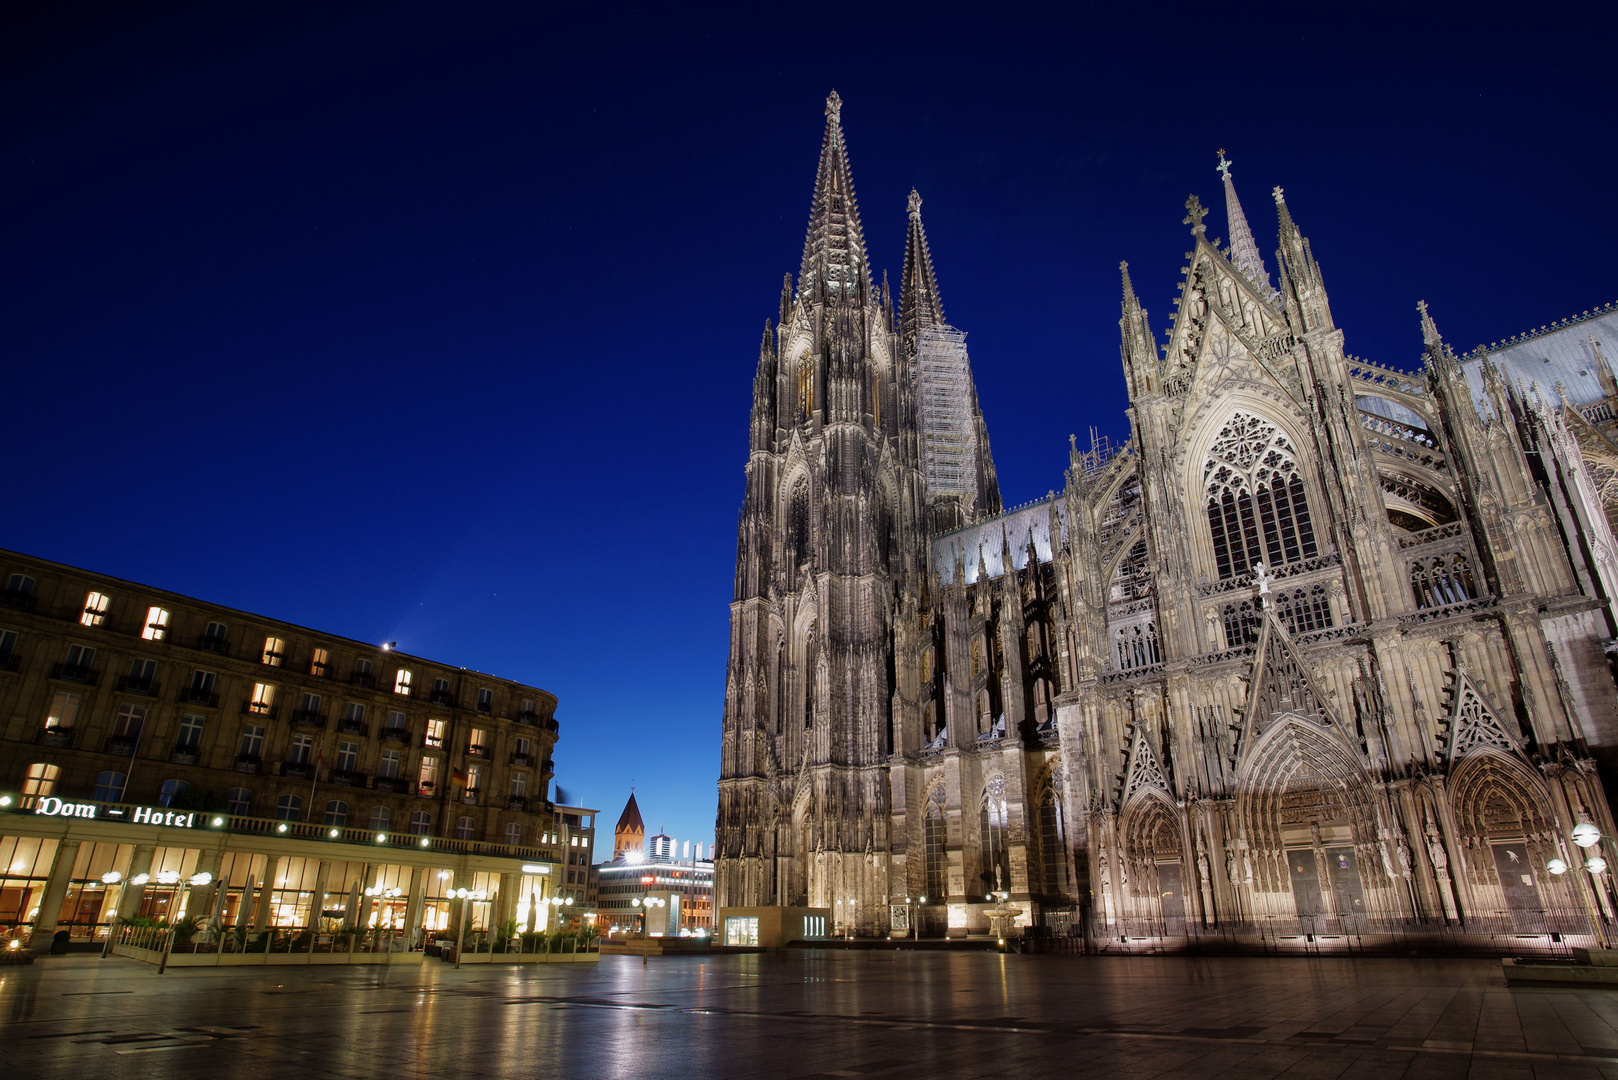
(948, 442)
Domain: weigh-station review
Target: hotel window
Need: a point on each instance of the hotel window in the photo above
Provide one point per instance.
(478, 741)
(485, 701)
(274, 651)
(251, 744)
(263, 699)
(64, 711)
(190, 732)
(289, 808)
(240, 800)
(435, 732)
(170, 790)
(397, 720)
(109, 786)
(524, 747)
(95, 610)
(129, 721)
(428, 778)
(465, 829)
(362, 672)
(514, 833)
(401, 682)
(474, 779)
(40, 782)
(8, 643)
(319, 662)
(387, 766)
(354, 713)
(421, 823)
(202, 681)
(301, 749)
(80, 657)
(348, 757)
(141, 674)
(214, 639)
(441, 691)
(381, 818)
(309, 705)
(19, 591)
(157, 625)
(527, 707)
(519, 784)
(337, 813)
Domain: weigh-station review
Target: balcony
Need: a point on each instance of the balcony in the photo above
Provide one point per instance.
(360, 678)
(471, 796)
(387, 783)
(297, 770)
(522, 759)
(247, 763)
(346, 778)
(121, 745)
(319, 670)
(61, 738)
(531, 718)
(396, 734)
(486, 708)
(76, 674)
(260, 708)
(432, 742)
(478, 750)
(183, 755)
(197, 695)
(354, 727)
(424, 790)
(552, 725)
(441, 697)
(308, 718)
(516, 802)
(217, 645)
(16, 598)
(131, 685)
(9, 661)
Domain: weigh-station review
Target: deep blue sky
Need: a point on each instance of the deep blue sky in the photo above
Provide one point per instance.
(436, 323)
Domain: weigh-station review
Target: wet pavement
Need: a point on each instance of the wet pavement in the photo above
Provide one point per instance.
(802, 1015)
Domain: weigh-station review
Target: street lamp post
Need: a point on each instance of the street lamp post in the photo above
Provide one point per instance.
(1587, 835)
(644, 907)
(464, 895)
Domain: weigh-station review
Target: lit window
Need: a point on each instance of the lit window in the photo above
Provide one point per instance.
(64, 711)
(429, 775)
(387, 765)
(289, 808)
(485, 701)
(40, 782)
(337, 813)
(301, 749)
(241, 800)
(251, 744)
(348, 756)
(514, 833)
(109, 786)
(263, 699)
(170, 790)
(421, 823)
(95, 610)
(435, 732)
(474, 780)
(190, 732)
(381, 818)
(319, 660)
(129, 721)
(401, 682)
(157, 625)
(274, 650)
(465, 829)
(478, 741)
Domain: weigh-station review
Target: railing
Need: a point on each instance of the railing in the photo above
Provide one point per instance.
(121, 745)
(552, 725)
(61, 738)
(1432, 535)
(516, 802)
(522, 759)
(360, 678)
(477, 750)
(1449, 611)
(308, 718)
(1373, 422)
(16, 598)
(486, 708)
(248, 763)
(214, 645)
(396, 734)
(1328, 633)
(1240, 652)
(10, 661)
(387, 783)
(347, 778)
(1387, 378)
(260, 708)
(196, 695)
(1142, 672)
(183, 755)
(74, 673)
(441, 697)
(1426, 459)
(1597, 412)
(527, 718)
(354, 727)
(299, 944)
(297, 770)
(1285, 570)
(128, 684)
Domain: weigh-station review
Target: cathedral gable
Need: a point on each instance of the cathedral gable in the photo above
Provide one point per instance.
(1282, 686)
(1473, 725)
(1144, 770)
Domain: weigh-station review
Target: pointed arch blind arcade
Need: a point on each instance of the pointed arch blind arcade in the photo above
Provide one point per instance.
(1256, 504)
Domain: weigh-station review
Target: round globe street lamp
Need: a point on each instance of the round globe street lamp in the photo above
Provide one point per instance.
(1587, 835)
(464, 895)
(644, 907)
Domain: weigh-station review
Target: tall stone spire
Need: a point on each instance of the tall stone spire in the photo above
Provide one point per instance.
(919, 302)
(1243, 250)
(834, 250)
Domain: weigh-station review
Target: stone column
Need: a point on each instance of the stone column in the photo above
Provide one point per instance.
(67, 852)
(506, 905)
(261, 910)
(199, 898)
(317, 901)
(140, 862)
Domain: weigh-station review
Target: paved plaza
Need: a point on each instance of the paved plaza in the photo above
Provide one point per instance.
(802, 1015)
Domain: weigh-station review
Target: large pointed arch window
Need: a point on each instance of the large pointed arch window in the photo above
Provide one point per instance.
(935, 868)
(1257, 509)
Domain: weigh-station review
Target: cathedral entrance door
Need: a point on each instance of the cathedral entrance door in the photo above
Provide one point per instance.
(1171, 894)
(1348, 896)
(1518, 883)
(1305, 886)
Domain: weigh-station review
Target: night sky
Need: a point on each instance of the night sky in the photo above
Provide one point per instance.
(437, 323)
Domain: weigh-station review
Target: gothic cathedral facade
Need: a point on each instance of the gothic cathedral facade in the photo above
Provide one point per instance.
(1322, 645)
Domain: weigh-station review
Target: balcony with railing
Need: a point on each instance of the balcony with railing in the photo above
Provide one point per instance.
(478, 750)
(17, 598)
(346, 778)
(312, 718)
(260, 708)
(353, 727)
(218, 645)
(183, 755)
(128, 684)
(396, 734)
(248, 763)
(516, 802)
(388, 783)
(198, 695)
(433, 742)
(298, 770)
(442, 697)
(85, 676)
(58, 737)
(426, 789)
(10, 661)
(121, 745)
(361, 679)
(471, 796)
(522, 759)
(529, 717)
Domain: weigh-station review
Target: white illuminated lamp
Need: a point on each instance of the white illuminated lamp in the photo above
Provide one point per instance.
(535, 868)
(381, 837)
(281, 827)
(389, 646)
(334, 833)
(111, 877)
(168, 877)
(218, 821)
(1595, 864)
(442, 874)
(633, 857)
(1586, 834)
(201, 878)
(5, 800)
(1556, 866)
(140, 879)
(424, 841)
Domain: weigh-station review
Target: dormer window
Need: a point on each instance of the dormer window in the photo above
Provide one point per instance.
(157, 625)
(95, 610)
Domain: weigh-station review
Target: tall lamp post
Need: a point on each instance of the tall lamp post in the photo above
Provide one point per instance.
(1587, 835)
(464, 895)
(644, 907)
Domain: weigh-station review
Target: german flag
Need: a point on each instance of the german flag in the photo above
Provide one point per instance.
(458, 775)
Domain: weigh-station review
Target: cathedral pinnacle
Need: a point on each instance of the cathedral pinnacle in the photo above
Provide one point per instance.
(1194, 215)
(1429, 329)
(915, 205)
(834, 256)
(1243, 249)
(919, 302)
(834, 108)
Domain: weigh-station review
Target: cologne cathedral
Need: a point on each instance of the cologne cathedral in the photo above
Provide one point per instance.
(1323, 646)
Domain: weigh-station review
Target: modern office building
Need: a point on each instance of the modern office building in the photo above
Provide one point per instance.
(150, 740)
(644, 867)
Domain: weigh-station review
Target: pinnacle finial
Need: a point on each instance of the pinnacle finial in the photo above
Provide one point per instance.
(1129, 286)
(1223, 168)
(1194, 215)
(834, 107)
(1280, 198)
(915, 204)
(1429, 329)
